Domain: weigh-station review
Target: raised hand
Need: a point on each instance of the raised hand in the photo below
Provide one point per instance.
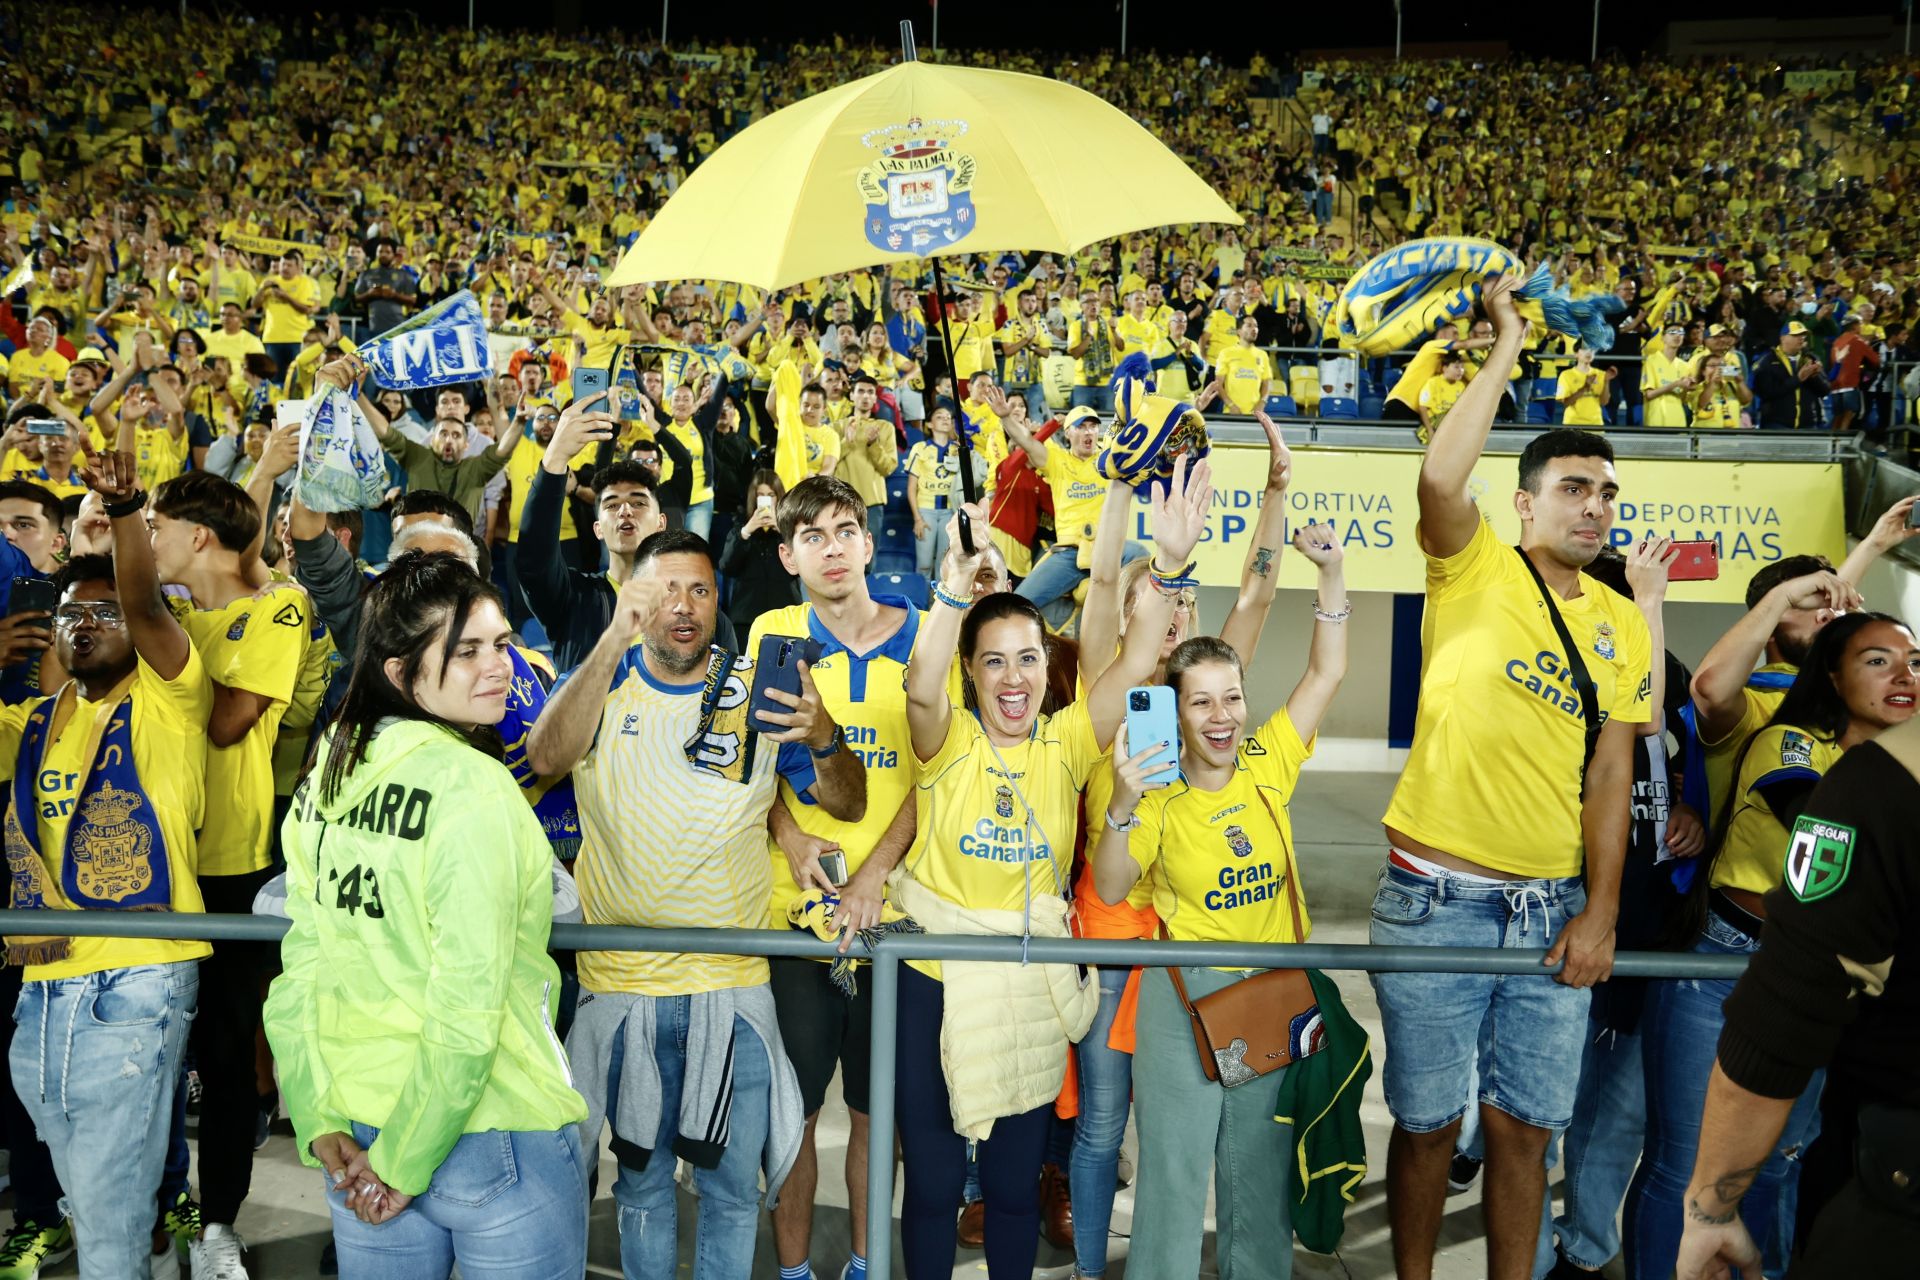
(1180, 513)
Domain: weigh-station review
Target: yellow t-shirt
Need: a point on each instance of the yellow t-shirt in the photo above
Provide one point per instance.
(37, 474)
(169, 732)
(599, 346)
(237, 284)
(1657, 370)
(866, 694)
(256, 644)
(1500, 732)
(1758, 703)
(1219, 860)
(522, 467)
(236, 347)
(322, 659)
(1720, 409)
(25, 371)
(1079, 492)
(1413, 379)
(283, 322)
(159, 456)
(1584, 412)
(1439, 395)
(1754, 854)
(1135, 335)
(974, 838)
(689, 435)
(1241, 370)
(823, 451)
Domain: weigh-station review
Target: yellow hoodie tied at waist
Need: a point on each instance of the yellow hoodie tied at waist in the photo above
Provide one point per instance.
(1006, 1029)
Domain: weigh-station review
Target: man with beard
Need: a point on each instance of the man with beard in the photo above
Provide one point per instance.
(656, 708)
(1788, 602)
(574, 605)
(1509, 824)
(443, 463)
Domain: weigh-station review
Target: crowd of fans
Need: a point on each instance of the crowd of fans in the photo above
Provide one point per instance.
(327, 713)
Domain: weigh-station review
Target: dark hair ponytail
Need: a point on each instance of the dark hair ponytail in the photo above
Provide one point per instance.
(418, 598)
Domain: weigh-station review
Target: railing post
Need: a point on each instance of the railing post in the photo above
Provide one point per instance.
(880, 1120)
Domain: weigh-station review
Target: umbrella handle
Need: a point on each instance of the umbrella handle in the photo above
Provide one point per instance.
(969, 491)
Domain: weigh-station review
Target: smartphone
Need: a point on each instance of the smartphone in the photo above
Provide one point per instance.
(1913, 516)
(33, 595)
(833, 864)
(765, 502)
(1694, 562)
(777, 666)
(588, 383)
(46, 427)
(1151, 718)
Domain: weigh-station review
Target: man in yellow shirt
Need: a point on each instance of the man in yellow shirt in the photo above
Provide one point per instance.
(865, 642)
(1079, 495)
(1403, 398)
(1243, 375)
(1665, 378)
(287, 297)
(1090, 340)
(27, 369)
(254, 643)
(1581, 390)
(1025, 344)
(109, 782)
(232, 340)
(1518, 783)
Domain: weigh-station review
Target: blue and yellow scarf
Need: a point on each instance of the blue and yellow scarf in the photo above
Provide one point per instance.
(552, 798)
(116, 850)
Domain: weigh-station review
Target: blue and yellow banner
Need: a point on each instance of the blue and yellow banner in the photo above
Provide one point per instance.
(1757, 512)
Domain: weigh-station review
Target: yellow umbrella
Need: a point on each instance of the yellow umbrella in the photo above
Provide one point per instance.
(917, 161)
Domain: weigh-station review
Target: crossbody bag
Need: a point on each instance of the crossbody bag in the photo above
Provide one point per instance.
(1258, 1025)
(1576, 666)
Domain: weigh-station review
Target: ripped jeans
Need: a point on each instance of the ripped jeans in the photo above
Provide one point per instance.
(95, 1060)
(1680, 1032)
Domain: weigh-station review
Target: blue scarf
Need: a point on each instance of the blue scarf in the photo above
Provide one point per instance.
(116, 850)
(552, 799)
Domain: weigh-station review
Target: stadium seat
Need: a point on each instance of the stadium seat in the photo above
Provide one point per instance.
(895, 532)
(1372, 406)
(1304, 382)
(908, 584)
(1339, 407)
(1280, 407)
(1541, 412)
(1545, 389)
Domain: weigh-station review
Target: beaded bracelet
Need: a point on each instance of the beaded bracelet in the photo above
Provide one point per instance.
(945, 597)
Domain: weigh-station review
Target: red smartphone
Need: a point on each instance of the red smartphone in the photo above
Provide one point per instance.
(1694, 562)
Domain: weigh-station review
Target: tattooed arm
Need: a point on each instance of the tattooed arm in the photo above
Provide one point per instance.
(1261, 576)
(1738, 1131)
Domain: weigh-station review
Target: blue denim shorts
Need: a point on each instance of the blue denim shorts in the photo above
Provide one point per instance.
(1525, 1031)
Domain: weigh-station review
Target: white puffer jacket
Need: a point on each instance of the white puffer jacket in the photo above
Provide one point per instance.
(1006, 1029)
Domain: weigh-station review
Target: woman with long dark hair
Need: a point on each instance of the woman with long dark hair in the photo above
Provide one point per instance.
(758, 580)
(413, 1024)
(1859, 678)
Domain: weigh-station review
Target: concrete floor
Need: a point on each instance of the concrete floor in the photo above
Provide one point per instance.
(1336, 819)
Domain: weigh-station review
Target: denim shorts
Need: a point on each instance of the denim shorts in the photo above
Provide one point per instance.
(1526, 1032)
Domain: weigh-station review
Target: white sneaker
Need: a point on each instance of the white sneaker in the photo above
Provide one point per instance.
(165, 1265)
(216, 1254)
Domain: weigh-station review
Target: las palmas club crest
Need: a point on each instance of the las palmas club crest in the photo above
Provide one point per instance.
(918, 190)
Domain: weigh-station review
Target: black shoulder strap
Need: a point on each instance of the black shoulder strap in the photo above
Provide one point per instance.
(1576, 665)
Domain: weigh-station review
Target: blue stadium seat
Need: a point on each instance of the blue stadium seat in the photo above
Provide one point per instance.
(1280, 407)
(1339, 407)
(1372, 406)
(895, 532)
(1545, 389)
(913, 434)
(908, 584)
(1541, 411)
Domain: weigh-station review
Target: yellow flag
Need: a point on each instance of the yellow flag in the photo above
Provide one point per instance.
(790, 453)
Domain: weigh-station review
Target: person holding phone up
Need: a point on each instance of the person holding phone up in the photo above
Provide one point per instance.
(759, 581)
(1215, 841)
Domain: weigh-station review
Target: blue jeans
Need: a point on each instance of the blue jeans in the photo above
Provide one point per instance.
(1520, 1029)
(95, 1060)
(1059, 572)
(282, 354)
(1100, 397)
(729, 1194)
(1106, 1093)
(501, 1204)
(1601, 1148)
(1681, 1030)
(699, 518)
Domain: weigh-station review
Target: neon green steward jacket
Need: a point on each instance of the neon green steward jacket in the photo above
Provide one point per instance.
(417, 994)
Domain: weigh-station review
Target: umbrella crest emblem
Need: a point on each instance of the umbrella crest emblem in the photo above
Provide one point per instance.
(919, 189)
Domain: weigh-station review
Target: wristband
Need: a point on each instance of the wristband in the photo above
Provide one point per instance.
(126, 506)
(1324, 616)
(1132, 822)
(832, 748)
(942, 596)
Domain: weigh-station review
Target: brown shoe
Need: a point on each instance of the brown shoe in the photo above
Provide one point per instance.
(1056, 1207)
(972, 1231)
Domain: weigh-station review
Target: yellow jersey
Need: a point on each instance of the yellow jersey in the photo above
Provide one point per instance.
(866, 694)
(1500, 732)
(522, 467)
(1766, 689)
(1079, 493)
(1719, 409)
(317, 667)
(26, 371)
(169, 732)
(1439, 395)
(1657, 370)
(255, 643)
(1243, 371)
(707, 868)
(1754, 852)
(1584, 412)
(235, 347)
(975, 838)
(1219, 861)
(1413, 379)
(159, 455)
(598, 348)
(1135, 335)
(283, 322)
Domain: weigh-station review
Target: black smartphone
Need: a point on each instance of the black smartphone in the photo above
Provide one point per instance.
(777, 666)
(32, 595)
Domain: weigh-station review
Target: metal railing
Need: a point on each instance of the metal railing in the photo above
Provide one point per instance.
(886, 959)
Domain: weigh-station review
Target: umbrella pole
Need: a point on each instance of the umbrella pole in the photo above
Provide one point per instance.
(969, 491)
